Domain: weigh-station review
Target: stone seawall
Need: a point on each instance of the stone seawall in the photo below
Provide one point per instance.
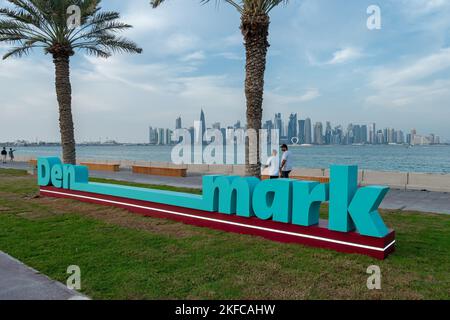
(398, 180)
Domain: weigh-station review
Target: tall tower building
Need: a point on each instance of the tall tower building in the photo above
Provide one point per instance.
(153, 136)
(328, 133)
(308, 129)
(364, 137)
(357, 133)
(292, 127)
(301, 131)
(413, 134)
(278, 122)
(350, 137)
(203, 123)
(178, 123)
(373, 133)
(318, 133)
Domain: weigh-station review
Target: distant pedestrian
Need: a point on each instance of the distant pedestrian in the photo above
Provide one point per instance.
(274, 165)
(4, 155)
(11, 154)
(286, 162)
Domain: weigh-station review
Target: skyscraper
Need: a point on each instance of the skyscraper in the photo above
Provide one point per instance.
(308, 129)
(338, 133)
(278, 122)
(301, 131)
(161, 137)
(153, 136)
(318, 133)
(292, 127)
(203, 123)
(364, 138)
(268, 125)
(373, 133)
(356, 133)
(178, 123)
(328, 133)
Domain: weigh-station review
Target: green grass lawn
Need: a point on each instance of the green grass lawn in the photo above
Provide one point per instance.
(125, 256)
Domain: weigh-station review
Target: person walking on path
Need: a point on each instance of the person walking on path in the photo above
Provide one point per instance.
(286, 162)
(4, 155)
(273, 165)
(11, 154)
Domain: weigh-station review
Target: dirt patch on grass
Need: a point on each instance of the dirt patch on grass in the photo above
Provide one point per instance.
(114, 216)
(32, 206)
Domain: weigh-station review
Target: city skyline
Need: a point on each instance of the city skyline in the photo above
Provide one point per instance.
(306, 132)
(323, 62)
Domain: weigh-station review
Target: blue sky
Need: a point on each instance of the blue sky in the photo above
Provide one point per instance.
(323, 63)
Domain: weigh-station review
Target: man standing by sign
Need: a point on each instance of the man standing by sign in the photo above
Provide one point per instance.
(273, 165)
(286, 162)
(4, 155)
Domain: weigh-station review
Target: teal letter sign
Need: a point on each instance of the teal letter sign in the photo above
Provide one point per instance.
(283, 200)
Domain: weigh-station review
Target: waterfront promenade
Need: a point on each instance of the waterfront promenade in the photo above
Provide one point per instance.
(396, 199)
(20, 282)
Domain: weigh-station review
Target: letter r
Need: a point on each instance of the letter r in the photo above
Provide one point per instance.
(307, 198)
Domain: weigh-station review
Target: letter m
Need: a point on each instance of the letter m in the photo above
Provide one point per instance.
(229, 194)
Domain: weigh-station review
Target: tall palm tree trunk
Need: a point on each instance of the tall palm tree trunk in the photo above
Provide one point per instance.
(255, 29)
(64, 96)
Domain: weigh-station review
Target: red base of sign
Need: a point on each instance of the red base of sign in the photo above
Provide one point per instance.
(315, 236)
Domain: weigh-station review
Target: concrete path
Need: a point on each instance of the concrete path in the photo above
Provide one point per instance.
(20, 282)
(191, 181)
(423, 201)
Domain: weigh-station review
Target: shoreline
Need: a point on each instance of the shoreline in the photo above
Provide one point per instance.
(422, 159)
(436, 182)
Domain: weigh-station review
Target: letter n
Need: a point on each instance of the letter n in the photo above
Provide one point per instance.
(73, 176)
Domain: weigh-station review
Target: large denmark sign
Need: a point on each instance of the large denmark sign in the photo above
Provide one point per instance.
(283, 210)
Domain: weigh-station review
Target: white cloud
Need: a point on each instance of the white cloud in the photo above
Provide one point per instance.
(309, 95)
(231, 56)
(282, 100)
(194, 56)
(415, 84)
(345, 55)
(420, 7)
(233, 40)
(418, 70)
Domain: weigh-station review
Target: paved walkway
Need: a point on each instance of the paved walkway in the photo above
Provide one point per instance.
(423, 201)
(20, 282)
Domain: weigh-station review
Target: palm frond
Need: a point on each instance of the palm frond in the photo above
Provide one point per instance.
(254, 7)
(19, 51)
(43, 23)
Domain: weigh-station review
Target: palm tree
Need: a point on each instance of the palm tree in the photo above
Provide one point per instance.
(255, 23)
(46, 24)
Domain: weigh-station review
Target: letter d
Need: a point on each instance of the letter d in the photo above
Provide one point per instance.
(45, 166)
